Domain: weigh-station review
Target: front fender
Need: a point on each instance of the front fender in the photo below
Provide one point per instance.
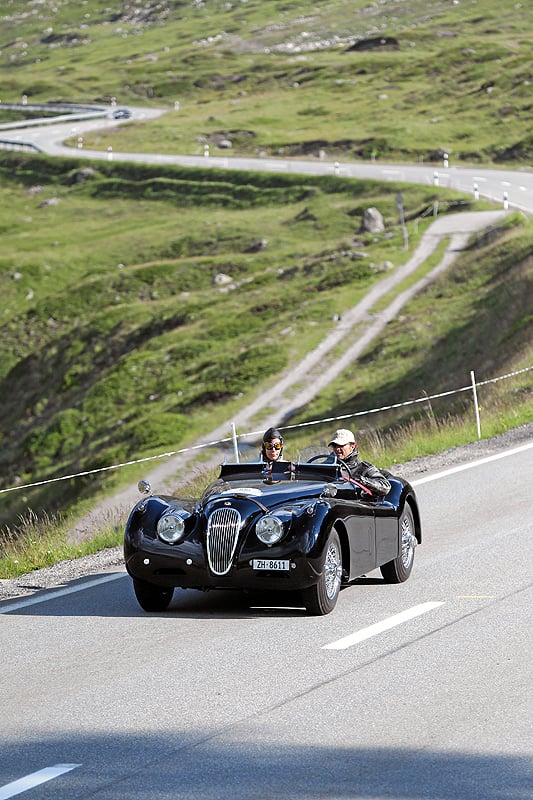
(317, 519)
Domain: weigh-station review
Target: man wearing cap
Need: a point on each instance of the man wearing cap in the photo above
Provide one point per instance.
(345, 448)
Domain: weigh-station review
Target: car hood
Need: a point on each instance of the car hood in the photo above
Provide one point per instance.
(269, 496)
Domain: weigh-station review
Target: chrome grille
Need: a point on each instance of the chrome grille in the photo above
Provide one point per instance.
(223, 528)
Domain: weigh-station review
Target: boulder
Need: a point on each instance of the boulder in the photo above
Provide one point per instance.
(373, 221)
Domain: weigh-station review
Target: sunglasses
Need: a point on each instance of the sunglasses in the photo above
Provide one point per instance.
(271, 446)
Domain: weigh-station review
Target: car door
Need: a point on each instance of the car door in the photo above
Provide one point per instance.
(359, 521)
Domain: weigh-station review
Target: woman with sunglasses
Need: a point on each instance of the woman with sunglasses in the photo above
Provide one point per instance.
(272, 446)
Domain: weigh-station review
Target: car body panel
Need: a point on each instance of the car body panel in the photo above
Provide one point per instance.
(311, 500)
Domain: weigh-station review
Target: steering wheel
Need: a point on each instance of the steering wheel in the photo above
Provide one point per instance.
(324, 458)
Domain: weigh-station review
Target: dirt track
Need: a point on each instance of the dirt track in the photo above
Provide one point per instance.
(314, 372)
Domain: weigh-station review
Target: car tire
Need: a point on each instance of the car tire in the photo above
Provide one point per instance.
(322, 598)
(399, 569)
(150, 597)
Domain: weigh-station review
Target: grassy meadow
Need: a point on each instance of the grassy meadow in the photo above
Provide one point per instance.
(389, 80)
(144, 305)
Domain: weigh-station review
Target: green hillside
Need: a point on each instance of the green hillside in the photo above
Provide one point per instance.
(356, 79)
(142, 305)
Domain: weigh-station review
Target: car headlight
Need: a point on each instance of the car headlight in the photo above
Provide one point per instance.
(170, 528)
(269, 530)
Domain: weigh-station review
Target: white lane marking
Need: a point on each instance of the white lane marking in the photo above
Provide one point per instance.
(379, 627)
(31, 601)
(35, 779)
(477, 463)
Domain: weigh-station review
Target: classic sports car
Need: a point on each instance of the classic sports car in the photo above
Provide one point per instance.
(284, 526)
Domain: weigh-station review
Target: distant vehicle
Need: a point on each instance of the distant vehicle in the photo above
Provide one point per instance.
(121, 113)
(284, 526)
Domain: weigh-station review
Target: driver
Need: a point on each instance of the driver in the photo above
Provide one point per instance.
(345, 448)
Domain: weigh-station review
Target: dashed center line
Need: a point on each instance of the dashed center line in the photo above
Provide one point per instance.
(35, 779)
(379, 627)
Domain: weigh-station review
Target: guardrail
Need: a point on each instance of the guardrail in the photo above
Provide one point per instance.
(27, 147)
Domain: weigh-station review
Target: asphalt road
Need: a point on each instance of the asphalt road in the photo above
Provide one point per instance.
(513, 188)
(218, 698)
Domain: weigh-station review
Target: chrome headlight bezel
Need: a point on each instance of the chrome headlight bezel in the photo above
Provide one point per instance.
(269, 529)
(171, 528)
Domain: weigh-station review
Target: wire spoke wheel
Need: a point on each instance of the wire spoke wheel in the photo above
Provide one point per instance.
(322, 598)
(399, 569)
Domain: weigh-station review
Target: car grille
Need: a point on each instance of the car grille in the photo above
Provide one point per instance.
(223, 528)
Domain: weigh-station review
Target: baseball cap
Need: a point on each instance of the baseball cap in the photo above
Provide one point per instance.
(342, 436)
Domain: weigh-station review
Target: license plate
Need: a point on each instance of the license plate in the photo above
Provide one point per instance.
(273, 564)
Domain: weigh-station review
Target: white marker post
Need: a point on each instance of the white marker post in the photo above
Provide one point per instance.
(505, 201)
(235, 445)
(476, 406)
(476, 192)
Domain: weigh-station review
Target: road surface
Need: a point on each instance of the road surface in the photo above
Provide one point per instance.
(420, 691)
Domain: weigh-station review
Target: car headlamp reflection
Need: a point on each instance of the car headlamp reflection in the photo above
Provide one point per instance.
(170, 528)
(269, 530)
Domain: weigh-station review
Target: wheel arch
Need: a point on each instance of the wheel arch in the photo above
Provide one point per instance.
(411, 502)
(342, 533)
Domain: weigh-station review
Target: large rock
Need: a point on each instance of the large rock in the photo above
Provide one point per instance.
(373, 221)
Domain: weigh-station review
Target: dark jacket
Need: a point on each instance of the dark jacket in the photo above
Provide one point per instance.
(365, 473)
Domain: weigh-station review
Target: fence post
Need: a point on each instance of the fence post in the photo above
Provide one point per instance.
(472, 378)
(235, 445)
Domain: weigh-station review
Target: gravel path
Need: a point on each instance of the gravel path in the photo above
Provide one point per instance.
(303, 381)
(111, 560)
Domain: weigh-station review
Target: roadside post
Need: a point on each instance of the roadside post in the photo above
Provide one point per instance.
(476, 406)
(399, 205)
(235, 445)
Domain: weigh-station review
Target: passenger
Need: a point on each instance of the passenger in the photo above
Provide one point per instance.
(345, 448)
(272, 446)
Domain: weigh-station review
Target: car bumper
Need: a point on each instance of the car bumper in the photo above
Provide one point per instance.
(187, 568)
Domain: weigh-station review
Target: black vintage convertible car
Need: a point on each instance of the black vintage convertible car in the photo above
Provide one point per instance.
(285, 526)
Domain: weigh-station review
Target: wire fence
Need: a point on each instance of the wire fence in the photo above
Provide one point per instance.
(235, 437)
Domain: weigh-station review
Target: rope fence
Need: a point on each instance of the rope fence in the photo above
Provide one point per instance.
(473, 386)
